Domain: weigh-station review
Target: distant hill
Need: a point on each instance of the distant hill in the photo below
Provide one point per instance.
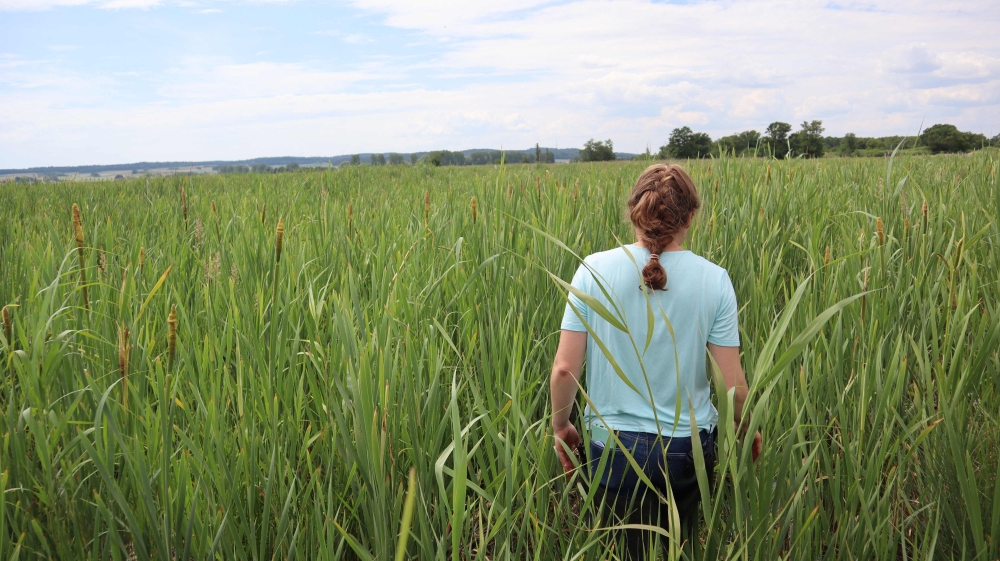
(514, 156)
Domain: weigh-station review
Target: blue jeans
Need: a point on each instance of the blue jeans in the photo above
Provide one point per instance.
(624, 498)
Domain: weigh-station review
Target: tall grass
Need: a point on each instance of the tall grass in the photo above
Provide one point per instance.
(277, 413)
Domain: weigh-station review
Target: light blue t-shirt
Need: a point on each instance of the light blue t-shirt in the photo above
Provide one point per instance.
(700, 303)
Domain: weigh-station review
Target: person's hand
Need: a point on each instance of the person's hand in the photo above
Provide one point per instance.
(741, 432)
(756, 447)
(568, 435)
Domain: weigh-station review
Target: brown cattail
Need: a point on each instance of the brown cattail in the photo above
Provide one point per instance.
(279, 238)
(123, 355)
(78, 233)
(8, 329)
(538, 187)
(184, 204)
(263, 214)
(473, 209)
(826, 257)
(350, 217)
(923, 213)
(214, 210)
(171, 337)
(769, 172)
(760, 216)
(427, 205)
(880, 232)
(142, 257)
(906, 228)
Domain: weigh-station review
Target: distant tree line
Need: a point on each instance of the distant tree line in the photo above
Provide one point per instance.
(257, 168)
(779, 141)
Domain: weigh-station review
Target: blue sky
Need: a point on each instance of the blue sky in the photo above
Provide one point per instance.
(114, 81)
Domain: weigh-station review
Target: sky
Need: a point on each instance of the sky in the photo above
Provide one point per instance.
(116, 81)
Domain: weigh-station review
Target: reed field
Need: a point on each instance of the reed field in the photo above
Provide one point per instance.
(354, 363)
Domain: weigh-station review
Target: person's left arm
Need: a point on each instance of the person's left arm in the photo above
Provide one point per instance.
(563, 383)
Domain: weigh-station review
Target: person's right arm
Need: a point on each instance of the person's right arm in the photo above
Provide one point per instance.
(728, 359)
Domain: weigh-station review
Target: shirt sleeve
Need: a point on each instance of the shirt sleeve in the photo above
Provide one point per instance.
(726, 329)
(571, 321)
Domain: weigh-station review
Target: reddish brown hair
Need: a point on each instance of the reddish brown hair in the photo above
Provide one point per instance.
(661, 204)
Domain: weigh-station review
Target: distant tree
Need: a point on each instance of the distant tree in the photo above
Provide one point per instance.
(356, 160)
(292, 166)
(413, 159)
(377, 159)
(946, 138)
(777, 138)
(597, 151)
(395, 159)
(849, 145)
(808, 141)
(95, 174)
(685, 143)
(119, 177)
(261, 168)
(995, 141)
(550, 158)
(745, 142)
(538, 154)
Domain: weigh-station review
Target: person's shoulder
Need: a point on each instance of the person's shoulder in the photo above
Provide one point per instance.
(612, 257)
(709, 267)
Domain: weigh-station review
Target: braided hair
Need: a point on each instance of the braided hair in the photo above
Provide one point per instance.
(661, 204)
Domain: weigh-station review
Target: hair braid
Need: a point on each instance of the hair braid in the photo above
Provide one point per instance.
(661, 203)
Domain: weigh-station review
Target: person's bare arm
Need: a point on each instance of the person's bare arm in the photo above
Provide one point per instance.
(566, 371)
(728, 359)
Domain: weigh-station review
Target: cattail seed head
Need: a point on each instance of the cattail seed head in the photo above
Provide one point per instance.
(906, 228)
(826, 257)
(279, 238)
(214, 210)
(78, 227)
(142, 257)
(171, 335)
(78, 234)
(880, 232)
(473, 209)
(769, 172)
(7, 327)
(263, 214)
(427, 205)
(923, 210)
(184, 204)
(123, 351)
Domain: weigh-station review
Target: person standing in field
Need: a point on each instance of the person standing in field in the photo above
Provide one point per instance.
(668, 386)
